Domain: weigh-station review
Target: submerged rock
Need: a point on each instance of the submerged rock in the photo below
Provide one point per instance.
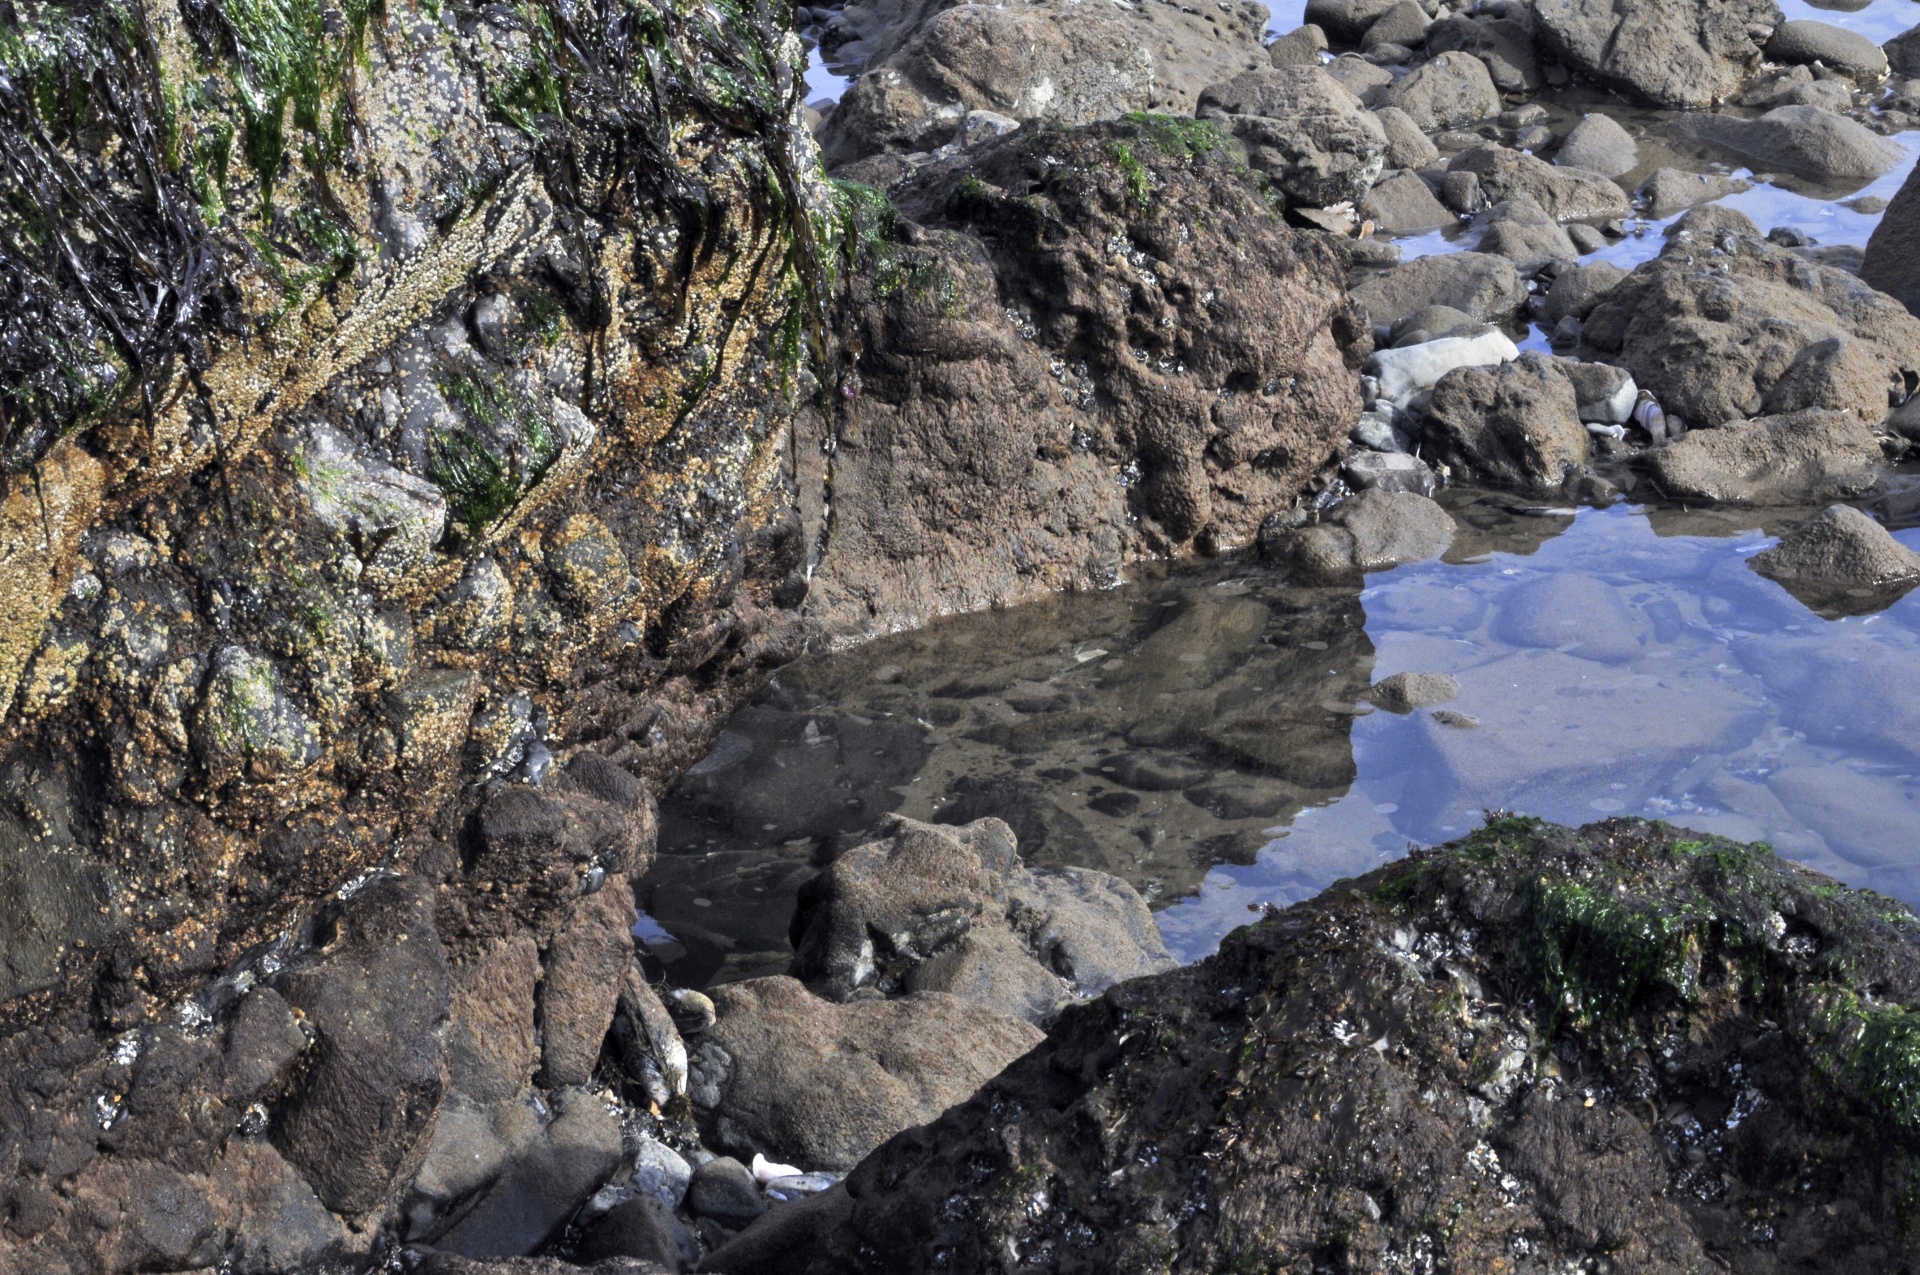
(1374, 531)
(1537, 1034)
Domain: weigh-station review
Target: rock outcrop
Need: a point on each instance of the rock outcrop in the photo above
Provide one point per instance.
(1679, 54)
(1395, 1074)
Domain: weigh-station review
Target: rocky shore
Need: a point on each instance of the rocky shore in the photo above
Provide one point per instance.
(423, 425)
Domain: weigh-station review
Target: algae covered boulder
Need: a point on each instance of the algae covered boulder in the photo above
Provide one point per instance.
(1532, 1049)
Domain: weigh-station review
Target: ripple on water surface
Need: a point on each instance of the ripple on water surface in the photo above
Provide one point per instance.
(1205, 734)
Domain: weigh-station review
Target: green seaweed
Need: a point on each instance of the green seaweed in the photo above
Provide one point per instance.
(1138, 178)
(484, 469)
(1176, 135)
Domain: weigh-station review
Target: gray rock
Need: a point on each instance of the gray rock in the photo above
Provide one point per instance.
(1669, 190)
(1461, 192)
(1374, 531)
(476, 613)
(429, 713)
(1301, 46)
(1841, 555)
(590, 952)
(1451, 90)
(1802, 41)
(55, 896)
(1359, 77)
(1805, 139)
(1486, 287)
(1680, 54)
(552, 1169)
(1586, 238)
(1731, 327)
(1503, 45)
(1514, 425)
(1389, 471)
(1903, 53)
(1565, 193)
(724, 1190)
(247, 725)
(1521, 231)
(1534, 137)
(1405, 692)
(388, 521)
(1599, 145)
(1345, 21)
(282, 1225)
(1892, 263)
(1798, 458)
(1404, 205)
(804, 1080)
(644, 1228)
(1407, 146)
(661, 1172)
(1709, 222)
(1405, 24)
(1577, 291)
(1312, 137)
(1432, 323)
(1796, 86)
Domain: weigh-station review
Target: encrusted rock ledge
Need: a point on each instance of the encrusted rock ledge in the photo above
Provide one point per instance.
(1618, 1048)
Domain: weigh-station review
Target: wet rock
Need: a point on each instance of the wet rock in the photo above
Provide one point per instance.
(1841, 551)
(585, 963)
(57, 898)
(1014, 514)
(1796, 458)
(1734, 327)
(588, 567)
(1796, 86)
(1389, 471)
(1802, 41)
(1405, 692)
(358, 1121)
(1565, 193)
(1407, 146)
(1516, 425)
(1312, 137)
(1451, 90)
(429, 713)
(806, 1080)
(643, 1228)
(247, 725)
(1521, 231)
(1049, 61)
(490, 1028)
(900, 913)
(388, 519)
(1497, 1111)
(1683, 56)
(1504, 44)
(1804, 139)
(1301, 46)
(1669, 190)
(1576, 292)
(724, 1190)
(1479, 284)
(1432, 323)
(1706, 223)
(1405, 24)
(661, 1172)
(1373, 531)
(477, 612)
(1404, 205)
(1599, 145)
(1345, 21)
(1892, 263)
(1406, 370)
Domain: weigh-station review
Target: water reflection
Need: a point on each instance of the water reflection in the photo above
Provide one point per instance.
(1207, 735)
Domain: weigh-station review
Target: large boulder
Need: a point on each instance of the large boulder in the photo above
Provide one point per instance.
(1809, 140)
(1349, 1081)
(1513, 425)
(1892, 262)
(1794, 459)
(1452, 90)
(1727, 326)
(1679, 54)
(1034, 338)
(1311, 137)
(929, 908)
(804, 1080)
(1802, 41)
(1037, 60)
(1841, 560)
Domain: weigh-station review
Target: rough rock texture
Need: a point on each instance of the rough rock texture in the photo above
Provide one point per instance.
(800, 1079)
(1513, 425)
(1680, 54)
(1599, 145)
(1669, 190)
(1529, 1050)
(1841, 555)
(1729, 327)
(1373, 531)
(1483, 286)
(1565, 193)
(1405, 205)
(1049, 60)
(1505, 45)
(1087, 328)
(1452, 90)
(954, 910)
(1527, 235)
(1310, 136)
(1794, 459)
(1892, 262)
(1837, 48)
(405, 404)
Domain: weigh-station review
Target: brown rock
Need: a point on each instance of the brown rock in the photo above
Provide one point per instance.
(1513, 425)
(1797, 458)
(585, 964)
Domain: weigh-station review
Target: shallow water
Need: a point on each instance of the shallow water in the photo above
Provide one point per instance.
(1205, 733)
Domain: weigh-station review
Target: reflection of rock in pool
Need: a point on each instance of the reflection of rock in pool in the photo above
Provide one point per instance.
(1150, 732)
